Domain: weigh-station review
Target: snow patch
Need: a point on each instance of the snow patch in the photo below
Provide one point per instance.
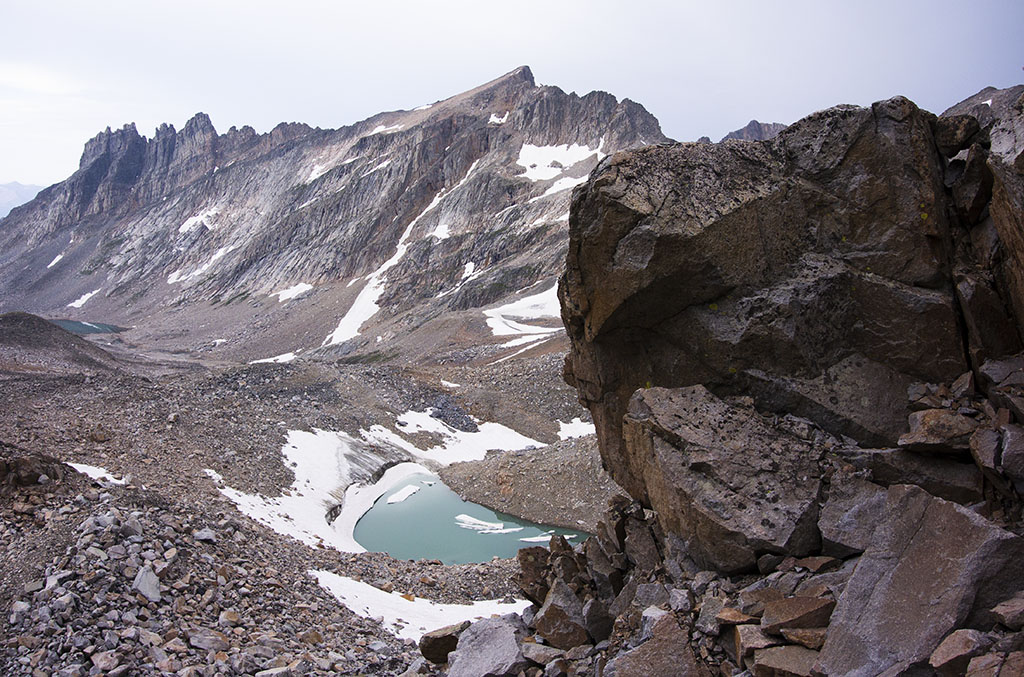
(424, 106)
(547, 162)
(495, 120)
(442, 232)
(575, 428)
(278, 359)
(202, 218)
(565, 183)
(457, 445)
(544, 304)
(291, 292)
(403, 493)
(383, 129)
(407, 619)
(56, 258)
(97, 473)
(80, 301)
(176, 276)
(986, 102)
(379, 167)
(322, 462)
(449, 384)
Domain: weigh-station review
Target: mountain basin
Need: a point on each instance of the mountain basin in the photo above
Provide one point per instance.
(76, 327)
(421, 518)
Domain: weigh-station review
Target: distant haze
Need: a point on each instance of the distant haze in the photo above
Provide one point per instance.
(14, 194)
(70, 69)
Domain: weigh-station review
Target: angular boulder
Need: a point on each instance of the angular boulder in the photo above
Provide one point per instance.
(850, 515)
(933, 566)
(723, 478)
(667, 652)
(810, 271)
(561, 621)
(488, 647)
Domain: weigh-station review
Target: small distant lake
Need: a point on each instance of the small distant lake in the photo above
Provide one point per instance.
(422, 518)
(76, 327)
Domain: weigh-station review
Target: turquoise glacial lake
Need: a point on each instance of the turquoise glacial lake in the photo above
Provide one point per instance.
(425, 519)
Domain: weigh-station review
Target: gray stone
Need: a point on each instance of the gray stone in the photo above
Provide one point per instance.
(850, 515)
(209, 640)
(540, 653)
(597, 620)
(147, 584)
(206, 535)
(650, 616)
(707, 620)
(939, 476)
(487, 647)
(938, 431)
(934, 566)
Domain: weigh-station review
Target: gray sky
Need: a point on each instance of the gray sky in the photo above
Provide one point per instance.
(70, 69)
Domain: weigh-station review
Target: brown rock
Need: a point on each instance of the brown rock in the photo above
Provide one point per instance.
(209, 640)
(796, 612)
(667, 652)
(784, 661)
(1007, 209)
(991, 330)
(730, 616)
(1010, 613)
(934, 566)
(539, 653)
(819, 564)
(748, 638)
(812, 638)
(532, 576)
(1012, 456)
(938, 431)
(560, 621)
(988, 665)
(437, 644)
(953, 655)
(752, 601)
(973, 188)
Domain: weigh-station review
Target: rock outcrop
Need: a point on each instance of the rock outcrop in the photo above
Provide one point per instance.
(756, 131)
(804, 355)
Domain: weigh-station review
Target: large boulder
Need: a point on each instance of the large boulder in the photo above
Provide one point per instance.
(932, 567)
(723, 478)
(489, 647)
(811, 271)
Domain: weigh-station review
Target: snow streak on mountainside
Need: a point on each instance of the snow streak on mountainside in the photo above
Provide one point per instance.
(367, 231)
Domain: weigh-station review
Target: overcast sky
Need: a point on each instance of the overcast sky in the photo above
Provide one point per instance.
(70, 69)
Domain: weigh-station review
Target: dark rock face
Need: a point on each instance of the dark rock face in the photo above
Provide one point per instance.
(730, 507)
(812, 272)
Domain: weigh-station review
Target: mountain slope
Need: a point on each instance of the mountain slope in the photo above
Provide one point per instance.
(188, 235)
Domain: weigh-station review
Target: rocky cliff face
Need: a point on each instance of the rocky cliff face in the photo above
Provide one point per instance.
(451, 205)
(803, 355)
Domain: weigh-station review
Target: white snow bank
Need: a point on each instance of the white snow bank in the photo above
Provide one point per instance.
(322, 462)
(379, 167)
(495, 120)
(986, 102)
(442, 232)
(278, 359)
(457, 446)
(424, 106)
(449, 384)
(547, 162)
(383, 129)
(80, 301)
(544, 304)
(97, 473)
(404, 618)
(291, 292)
(403, 493)
(575, 428)
(56, 258)
(176, 276)
(564, 183)
(202, 218)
